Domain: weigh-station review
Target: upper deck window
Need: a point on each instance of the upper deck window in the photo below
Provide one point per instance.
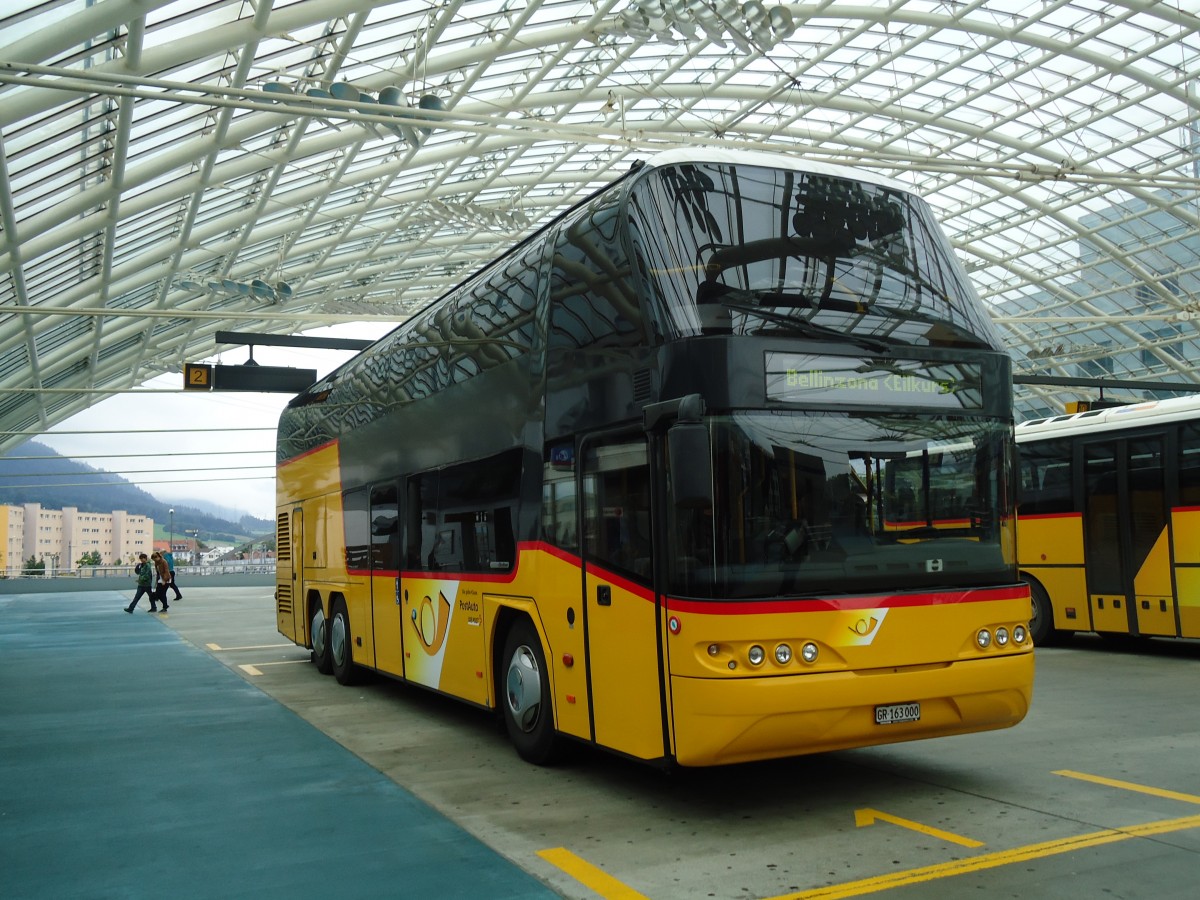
(593, 303)
(746, 249)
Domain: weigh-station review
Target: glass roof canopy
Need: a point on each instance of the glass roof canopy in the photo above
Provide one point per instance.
(171, 168)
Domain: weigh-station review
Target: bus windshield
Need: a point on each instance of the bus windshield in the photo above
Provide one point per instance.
(756, 250)
(810, 503)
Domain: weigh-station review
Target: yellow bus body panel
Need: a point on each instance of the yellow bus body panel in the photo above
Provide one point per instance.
(727, 710)
(1053, 540)
(312, 474)
(624, 662)
(1185, 525)
(1050, 549)
(735, 720)
(554, 582)
(1067, 589)
(1153, 592)
(305, 483)
(1188, 582)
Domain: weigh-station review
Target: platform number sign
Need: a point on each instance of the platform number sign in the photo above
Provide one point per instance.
(197, 377)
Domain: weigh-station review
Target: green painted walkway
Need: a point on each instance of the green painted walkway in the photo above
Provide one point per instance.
(135, 765)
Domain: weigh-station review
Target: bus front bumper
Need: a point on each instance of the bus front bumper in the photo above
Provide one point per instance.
(729, 720)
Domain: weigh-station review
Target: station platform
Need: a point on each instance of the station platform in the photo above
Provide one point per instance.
(136, 765)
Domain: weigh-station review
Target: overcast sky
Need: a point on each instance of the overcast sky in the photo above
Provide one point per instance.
(198, 453)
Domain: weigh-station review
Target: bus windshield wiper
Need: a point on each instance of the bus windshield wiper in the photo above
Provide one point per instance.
(809, 328)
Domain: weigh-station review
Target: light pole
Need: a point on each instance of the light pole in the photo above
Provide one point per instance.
(194, 533)
(171, 538)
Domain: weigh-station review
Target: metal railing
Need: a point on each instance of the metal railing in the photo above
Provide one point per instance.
(223, 567)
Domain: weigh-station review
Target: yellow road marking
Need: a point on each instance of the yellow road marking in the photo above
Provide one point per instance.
(611, 889)
(1129, 786)
(253, 647)
(864, 817)
(589, 876)
(255, 670)
(993, 860)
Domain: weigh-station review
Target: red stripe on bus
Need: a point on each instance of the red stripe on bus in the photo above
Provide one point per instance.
(725, 607)
(308, 452)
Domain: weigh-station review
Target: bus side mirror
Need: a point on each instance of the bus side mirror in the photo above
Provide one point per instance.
(690, 464)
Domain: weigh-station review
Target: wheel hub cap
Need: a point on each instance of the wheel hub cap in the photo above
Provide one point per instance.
(524, 688)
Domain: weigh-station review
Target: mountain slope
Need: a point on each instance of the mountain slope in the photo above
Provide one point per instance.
(56, 482)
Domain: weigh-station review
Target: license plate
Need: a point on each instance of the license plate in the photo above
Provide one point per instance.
(897, 712)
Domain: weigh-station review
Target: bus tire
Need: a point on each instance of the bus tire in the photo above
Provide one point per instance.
(525, 693)
(341, 653)
(318, 632)
(1041, 617)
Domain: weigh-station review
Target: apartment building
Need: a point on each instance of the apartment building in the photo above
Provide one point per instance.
(61, 537)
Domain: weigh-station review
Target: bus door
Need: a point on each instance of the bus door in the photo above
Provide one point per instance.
(388, 636)
(620, 608)
(1127, 545)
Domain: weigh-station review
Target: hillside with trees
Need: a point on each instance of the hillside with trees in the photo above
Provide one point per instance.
(56, 482)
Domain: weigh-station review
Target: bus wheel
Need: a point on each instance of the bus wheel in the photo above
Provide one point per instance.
(527, 708)
(341, 655)
(318, 630)
(1041, 617)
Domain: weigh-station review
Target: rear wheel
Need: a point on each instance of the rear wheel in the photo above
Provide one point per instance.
(318, 630)
(341, 654)
(528, 715)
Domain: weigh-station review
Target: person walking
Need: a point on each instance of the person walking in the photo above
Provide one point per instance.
(145, 577)
(170, 558)
(164, 578)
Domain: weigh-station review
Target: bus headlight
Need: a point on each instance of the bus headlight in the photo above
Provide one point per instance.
(756, 655)
(809, 652)
(983, 639)
(783, 654)
(1002, 637)
(1019, 634)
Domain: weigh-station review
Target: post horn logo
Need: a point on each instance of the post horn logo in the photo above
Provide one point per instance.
(865, 627)
(430, 622)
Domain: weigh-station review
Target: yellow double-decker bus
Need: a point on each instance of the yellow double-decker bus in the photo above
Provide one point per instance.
(1109, 536)
(623, 485)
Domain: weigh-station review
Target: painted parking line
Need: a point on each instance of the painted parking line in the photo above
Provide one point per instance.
(994, 860)
(589, 876)
(612, 889)
(865, 817)
(220, 649)
(257, 668)
(1128, 786)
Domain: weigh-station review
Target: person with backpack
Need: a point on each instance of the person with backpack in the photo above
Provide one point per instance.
(170, 559)
(145, 577)
(164, 578)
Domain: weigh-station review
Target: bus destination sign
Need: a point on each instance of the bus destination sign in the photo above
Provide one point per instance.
(853, 381)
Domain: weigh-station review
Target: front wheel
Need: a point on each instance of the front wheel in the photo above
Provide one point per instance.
(318, 631)
(528, 713)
